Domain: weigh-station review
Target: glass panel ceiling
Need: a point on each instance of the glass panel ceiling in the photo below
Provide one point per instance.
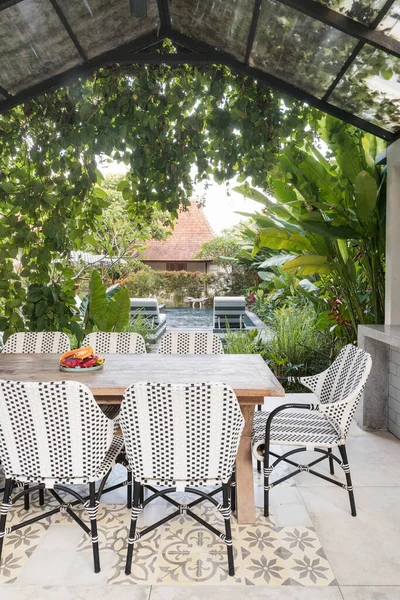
(101, 25)
(363, 11)
(299, 49)
(223, 25)
(33, 45)
(371, 88)
(390, 25)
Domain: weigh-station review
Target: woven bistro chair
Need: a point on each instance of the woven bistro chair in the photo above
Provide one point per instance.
(183, 436)
(125, 342)
(199, 342)
(53, 434)
(37, 342)
(121, 342)
(320, 427)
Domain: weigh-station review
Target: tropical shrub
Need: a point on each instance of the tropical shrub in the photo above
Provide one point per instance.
(326, 221)
(296, 345)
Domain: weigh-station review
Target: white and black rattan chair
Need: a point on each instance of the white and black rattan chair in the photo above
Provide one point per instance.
(182, 436)
(321, 427)
(124, 342)
(191, 342)
(53, 434)
(37, 342)
(121, 342)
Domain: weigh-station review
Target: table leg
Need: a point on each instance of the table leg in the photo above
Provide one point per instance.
(245, 503)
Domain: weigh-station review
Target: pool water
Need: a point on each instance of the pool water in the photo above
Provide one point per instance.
(199, 318)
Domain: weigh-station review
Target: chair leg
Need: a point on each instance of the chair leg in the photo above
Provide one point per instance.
(259, 408)
(41, 496)
(346, 469)
(132, 530)
(129, 489)
(92, 510)
(233, 491)
(5, 507)
(26, 497)
(228, 531)
(331, 462)
(266, 481)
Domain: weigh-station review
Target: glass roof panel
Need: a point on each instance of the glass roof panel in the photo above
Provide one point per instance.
(299, 49)
(33, 45)
(371, 88)
(390, 25)
(223, 25)
(101, 25)
(363, 11)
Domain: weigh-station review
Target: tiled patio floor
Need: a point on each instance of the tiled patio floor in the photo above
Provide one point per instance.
(310, 549)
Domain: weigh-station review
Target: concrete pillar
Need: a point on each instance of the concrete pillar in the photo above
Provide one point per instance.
(392, 283)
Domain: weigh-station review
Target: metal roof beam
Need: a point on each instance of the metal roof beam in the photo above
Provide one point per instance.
(123, 53)
(7, 3)
(163, 11)
(367, 35)
(218, 57)
(252, 31)
(69, 30)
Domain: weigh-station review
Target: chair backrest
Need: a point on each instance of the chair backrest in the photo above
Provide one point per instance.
(340, 387)
(122, 342)
(198, 342)
(52, 431)
(229, 309)
(147, 307)
(34, 342)
(177, 434)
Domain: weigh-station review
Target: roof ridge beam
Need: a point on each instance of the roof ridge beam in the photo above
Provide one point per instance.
(163, 11)
(364, 33)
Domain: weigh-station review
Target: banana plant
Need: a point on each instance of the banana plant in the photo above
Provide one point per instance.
(324, 215)
(109, 309)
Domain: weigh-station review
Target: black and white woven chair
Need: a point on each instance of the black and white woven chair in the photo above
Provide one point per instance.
(52, 434)
(198, 342)
(322, 428)
(37, 342)
(104, 342)
(182, 436)
(121, 342)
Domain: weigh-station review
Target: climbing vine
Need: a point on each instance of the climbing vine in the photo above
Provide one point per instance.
(164, 122)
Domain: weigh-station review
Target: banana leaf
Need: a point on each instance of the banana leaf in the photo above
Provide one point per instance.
(310, 264)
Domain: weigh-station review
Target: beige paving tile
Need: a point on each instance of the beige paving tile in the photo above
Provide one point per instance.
(60, 592)
(362, 550)
(197, 592)
(384, 592)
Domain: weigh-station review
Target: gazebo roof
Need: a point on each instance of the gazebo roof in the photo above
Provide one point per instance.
(341, 56)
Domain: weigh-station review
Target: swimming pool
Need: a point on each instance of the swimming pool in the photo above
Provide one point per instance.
(195, 318)
(199, 318)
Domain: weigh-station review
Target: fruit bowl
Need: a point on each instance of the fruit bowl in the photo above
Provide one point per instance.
(81, 359)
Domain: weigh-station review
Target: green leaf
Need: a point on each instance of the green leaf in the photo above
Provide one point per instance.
(99, 192)
(276, 261)
(98, 305)
(281, 239)
(310, 264)
(119, 310)
(7, 186)
(366, 193)
(35, 293)
(249, 192)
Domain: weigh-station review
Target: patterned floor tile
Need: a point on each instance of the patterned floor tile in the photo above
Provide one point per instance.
(181, 552)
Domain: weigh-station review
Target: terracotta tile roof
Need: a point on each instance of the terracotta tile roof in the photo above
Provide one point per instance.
(191, 230)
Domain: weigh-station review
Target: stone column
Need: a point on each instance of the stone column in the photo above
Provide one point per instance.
(392, 283)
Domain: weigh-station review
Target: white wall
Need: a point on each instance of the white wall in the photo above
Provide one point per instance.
(392, 281)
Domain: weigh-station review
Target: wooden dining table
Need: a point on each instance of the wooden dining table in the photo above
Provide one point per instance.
(247, 374)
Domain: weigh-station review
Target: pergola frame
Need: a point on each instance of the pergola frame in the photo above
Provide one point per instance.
(196, 52)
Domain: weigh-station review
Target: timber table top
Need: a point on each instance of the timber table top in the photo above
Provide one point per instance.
(248, 375)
